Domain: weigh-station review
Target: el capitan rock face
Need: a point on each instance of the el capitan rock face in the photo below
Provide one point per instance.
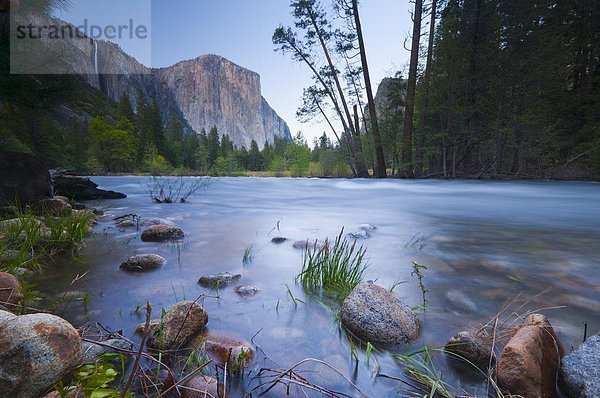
(204, 92)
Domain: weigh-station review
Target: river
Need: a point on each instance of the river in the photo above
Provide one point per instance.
(483, 242)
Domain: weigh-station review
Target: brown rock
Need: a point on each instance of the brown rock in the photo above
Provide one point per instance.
(10, 290)
(237, 354)
(529, 363)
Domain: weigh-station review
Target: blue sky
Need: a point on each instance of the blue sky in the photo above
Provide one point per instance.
(241, 31)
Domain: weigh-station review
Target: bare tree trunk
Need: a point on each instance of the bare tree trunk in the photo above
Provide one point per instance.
(409, 111)
(380, 169)
(425, 105)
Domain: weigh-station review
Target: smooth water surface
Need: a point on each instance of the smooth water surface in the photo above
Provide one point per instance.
(484, 243)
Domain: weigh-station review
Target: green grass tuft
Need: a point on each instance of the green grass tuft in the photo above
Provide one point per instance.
(333, 269)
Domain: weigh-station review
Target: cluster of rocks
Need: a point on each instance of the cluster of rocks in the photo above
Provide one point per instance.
(531, 363)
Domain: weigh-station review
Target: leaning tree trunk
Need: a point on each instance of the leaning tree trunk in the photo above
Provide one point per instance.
(407, 158)
(380, 169)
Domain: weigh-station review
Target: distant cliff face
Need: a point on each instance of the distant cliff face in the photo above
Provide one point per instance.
(205, 92)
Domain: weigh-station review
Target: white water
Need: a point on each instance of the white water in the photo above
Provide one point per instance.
(96, 57)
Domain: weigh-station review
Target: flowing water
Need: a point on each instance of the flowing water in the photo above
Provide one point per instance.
(484, 243)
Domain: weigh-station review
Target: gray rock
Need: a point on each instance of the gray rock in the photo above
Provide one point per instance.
(472, 348)
(92, 351)
(161, 233)
(376, 315)
(183, 321)
(579, 375)
(143, 263)
(247, 291)
(220, 280)
(36, 352)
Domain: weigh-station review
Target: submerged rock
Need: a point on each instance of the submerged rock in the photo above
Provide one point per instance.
(92, 351)
(10, 290)
(529, 362)
(279, 239)
(247, 291)
(143, 263)
(183, 321)
(461, 300)
(377, 316)
(201, 387)
(156, 221)
(126, 224)
(37, 351)
(580, 371)
(161, 233)
(367, 227)
(469, 346)
(359, 235)
(220, 280)
(307, 244)
(224, 350)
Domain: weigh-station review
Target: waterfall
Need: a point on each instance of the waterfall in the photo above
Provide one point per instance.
(96, 58)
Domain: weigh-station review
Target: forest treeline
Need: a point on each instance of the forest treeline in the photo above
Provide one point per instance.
(494, 88)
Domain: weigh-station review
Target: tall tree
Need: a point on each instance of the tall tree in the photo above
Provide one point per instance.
(426, 89)
(407, 150)
(380, 169)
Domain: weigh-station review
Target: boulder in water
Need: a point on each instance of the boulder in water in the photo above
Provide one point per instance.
(220, 280)
(377, 316)
(143, 263)
(161, 233)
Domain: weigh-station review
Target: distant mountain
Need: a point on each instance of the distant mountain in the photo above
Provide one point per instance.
(205, 92)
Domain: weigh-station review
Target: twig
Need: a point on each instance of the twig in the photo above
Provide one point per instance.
(139, 353)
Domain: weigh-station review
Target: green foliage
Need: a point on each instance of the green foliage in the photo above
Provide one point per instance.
(418, 272)
(333, 269)
(94, 381)
(420, 366)
(298, 156)
(28, 239)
